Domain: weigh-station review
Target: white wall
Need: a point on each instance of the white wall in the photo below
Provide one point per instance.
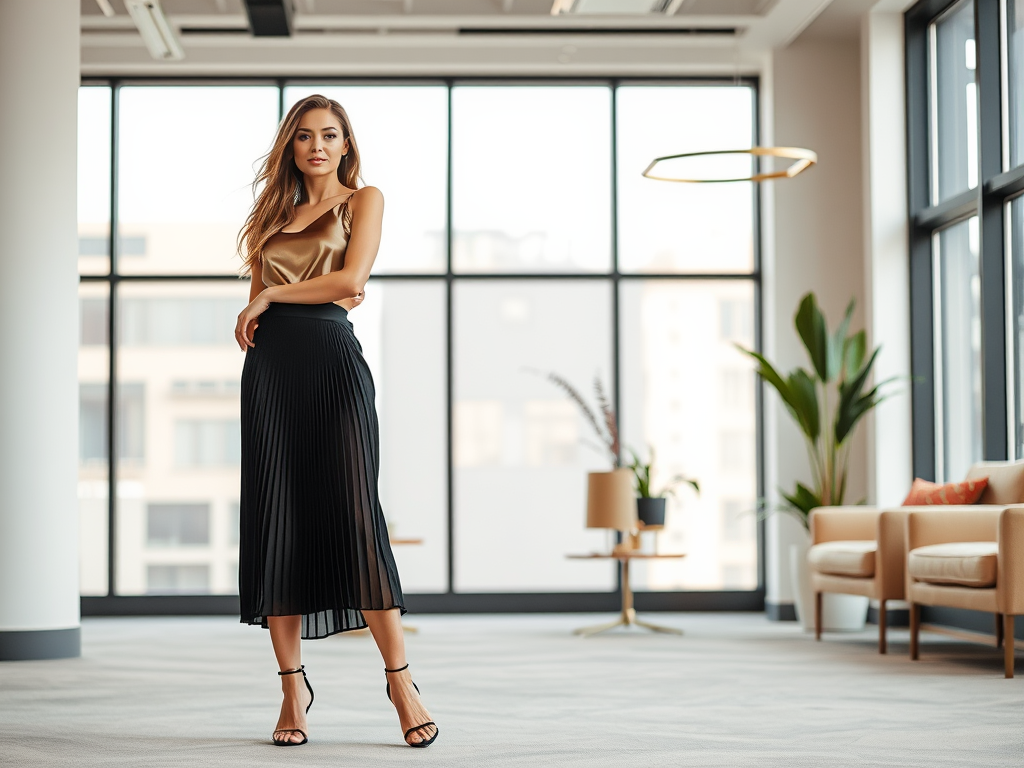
(816, 244)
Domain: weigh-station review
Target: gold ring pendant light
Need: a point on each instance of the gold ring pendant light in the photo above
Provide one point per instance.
(804, 158)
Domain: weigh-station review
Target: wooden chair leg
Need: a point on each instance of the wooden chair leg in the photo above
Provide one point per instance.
(1008, 644)
(817, 615)
(881, 627)
(999, 630)
(915, 628)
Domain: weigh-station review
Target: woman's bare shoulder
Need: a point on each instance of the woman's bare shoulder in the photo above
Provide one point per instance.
(368, 196)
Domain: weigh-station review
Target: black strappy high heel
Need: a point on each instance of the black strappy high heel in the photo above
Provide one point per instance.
(437, 730)
(286, 742)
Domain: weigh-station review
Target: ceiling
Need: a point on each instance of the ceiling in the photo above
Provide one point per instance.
(460, 37)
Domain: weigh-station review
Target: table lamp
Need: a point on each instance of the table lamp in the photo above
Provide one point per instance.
(611, 502)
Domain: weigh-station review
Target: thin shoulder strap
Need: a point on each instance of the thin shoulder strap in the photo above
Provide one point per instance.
(345, 213)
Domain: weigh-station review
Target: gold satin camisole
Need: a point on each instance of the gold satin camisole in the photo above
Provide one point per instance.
(291, 257)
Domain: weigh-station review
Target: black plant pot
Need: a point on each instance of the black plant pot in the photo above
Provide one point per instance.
(651, 511)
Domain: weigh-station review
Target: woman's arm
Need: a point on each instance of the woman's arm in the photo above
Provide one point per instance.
(367, 215)
(367, 207)
(256, 273)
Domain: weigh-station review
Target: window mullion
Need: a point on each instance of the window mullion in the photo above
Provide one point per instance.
(992, 241)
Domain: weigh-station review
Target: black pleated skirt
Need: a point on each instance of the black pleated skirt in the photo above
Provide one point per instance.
(312, 541)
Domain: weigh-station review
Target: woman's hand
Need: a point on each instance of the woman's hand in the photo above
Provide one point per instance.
(350, 304)
(247, 323)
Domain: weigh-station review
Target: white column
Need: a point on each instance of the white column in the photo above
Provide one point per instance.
(886, 257)
(39, 76)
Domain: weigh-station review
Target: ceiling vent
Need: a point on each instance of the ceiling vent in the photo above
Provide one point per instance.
(270, 18)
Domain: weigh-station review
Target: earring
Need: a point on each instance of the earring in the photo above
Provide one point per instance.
(297, 197)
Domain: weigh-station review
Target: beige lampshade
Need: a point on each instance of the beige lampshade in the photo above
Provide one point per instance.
(610, 500)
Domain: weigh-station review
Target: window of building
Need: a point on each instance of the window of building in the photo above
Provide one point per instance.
(207, 442)
(484, 283)
(177, 579)
(177, 525)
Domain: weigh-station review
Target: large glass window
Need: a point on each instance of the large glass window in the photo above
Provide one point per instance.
(954, 100)
(403, 330)
(179, 370)
(688, 396)
(1013, 126)
(93, 431)
(965, 246)
(531, 179)
(669, 228)
(186, 160)
(958, 349)
(1015, 327)
(94, 180)
(499, 263)
(520, 461)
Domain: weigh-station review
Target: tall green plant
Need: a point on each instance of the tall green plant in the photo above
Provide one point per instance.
(826, 402)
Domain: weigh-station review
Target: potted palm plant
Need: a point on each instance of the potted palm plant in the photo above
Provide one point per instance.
(650, 505)
(827, 403)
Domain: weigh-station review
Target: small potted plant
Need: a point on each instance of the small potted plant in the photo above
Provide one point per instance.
(650, 506)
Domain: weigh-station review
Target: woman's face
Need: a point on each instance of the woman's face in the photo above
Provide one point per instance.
(319, 144)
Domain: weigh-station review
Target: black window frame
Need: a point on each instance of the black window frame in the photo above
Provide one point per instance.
(987, 201)
(450, 601)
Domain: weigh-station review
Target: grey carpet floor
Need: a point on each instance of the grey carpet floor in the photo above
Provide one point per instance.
(736, 690)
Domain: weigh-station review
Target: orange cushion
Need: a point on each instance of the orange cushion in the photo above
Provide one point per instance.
(924, 493)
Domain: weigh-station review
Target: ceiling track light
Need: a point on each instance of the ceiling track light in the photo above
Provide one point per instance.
(156, 30)
(615, 7)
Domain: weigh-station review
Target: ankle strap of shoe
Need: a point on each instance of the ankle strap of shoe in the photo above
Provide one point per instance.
(296, 671)
(400, 669)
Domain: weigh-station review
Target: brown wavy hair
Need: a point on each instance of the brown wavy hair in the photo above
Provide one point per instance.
(275, 204)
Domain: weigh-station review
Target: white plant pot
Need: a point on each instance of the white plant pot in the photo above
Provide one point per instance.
(839, 613)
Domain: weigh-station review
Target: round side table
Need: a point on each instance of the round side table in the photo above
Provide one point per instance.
(628, 616)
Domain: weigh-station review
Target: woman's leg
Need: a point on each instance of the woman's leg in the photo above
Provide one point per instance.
(285, 635)
(386, 628)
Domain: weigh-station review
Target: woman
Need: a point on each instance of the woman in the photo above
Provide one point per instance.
(314, 556)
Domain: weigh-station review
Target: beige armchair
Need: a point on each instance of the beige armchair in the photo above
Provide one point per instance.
(857, 551)
(967, 558)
